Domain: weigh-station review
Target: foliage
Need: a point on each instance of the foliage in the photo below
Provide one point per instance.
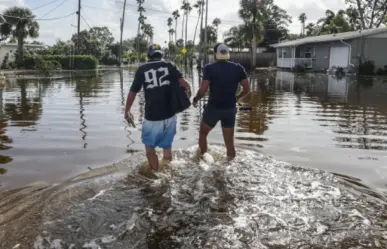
(82, 62)
(18, 28)
(370, 14)
(381, 71)
(109, 59)
(4, 64)
(299, 68)
(211, 35)
(45, 66)
(367, 67)
(93, 41)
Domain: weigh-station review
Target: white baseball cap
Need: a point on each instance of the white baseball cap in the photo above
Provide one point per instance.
(222, 52)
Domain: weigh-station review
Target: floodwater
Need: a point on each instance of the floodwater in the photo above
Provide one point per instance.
(54, 130)
(334, 129)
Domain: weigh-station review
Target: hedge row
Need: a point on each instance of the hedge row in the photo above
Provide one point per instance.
(80, 62)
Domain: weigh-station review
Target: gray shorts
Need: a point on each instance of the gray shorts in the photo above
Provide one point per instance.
(212, 115)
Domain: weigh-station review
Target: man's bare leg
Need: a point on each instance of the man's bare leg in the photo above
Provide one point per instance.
(228, 136)
(167, 155)
(152, 158)
(203, 133)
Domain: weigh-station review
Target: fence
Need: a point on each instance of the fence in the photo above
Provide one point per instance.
(244, 58)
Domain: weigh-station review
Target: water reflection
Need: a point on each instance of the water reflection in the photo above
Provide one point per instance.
(313, 119)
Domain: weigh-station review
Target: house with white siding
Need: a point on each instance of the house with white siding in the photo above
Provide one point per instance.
(10, 49)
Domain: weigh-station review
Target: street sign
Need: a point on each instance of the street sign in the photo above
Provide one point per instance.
(184, 50)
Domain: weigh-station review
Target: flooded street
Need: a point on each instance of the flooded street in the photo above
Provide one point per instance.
(54, 130)
(310, 172)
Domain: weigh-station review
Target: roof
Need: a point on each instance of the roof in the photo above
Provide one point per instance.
(25, 45)
(331, 37)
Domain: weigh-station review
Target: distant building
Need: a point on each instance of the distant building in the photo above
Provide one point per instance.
(319, 53)
(10, 49)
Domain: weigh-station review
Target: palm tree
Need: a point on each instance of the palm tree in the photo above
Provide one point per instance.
(21, 24)
(188, 10)
(216, 22)
(302, 18)
(253, 13)
(148, 32)
(183, 6)
(176, 16)
(199, 4)
(170, 21)
(171, 32)
(141, 22)
(310, 29)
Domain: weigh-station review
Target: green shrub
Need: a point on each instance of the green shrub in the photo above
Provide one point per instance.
(82, 62)
(143, 58)
(4, 64)
(299, 68)
(45, 66)
(367, 67)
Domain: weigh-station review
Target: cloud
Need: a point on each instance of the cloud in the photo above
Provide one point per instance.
(108, 13)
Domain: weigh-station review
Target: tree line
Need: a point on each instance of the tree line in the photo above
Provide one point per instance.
(265, 23)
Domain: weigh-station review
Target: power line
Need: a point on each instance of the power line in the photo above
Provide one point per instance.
(85, 21)
(41, 6)
(155, 10)
(54, 8)
(41, 19)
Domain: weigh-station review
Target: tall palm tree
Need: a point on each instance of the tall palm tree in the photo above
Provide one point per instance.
(199, 4)
(216, 22)
(20, 24)
(141, 22)
(183, 6)
(302, 18)
(148, 32)
(176, 16)
(171, 32)
(170, 21)
(188, 10)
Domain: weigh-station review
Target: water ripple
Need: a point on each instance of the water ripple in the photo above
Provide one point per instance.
(250, 202)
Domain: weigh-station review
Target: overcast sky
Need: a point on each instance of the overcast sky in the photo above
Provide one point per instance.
(108, 13)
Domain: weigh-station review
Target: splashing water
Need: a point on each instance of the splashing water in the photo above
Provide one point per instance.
(250, 202)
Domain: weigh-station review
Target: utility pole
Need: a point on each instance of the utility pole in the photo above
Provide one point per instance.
(205, 34)
(122, 31)
(201, 35)
(79, 25)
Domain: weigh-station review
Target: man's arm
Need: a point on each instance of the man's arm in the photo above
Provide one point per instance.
(204, 85)
(134, 89)
(177, 74)
(245, 89)
(185, 84)
(244, 82)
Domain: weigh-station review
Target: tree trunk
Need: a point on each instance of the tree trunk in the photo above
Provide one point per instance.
(186, 28)
(197, 24)
(175, 31)
(182, 28)
(20, 52)
(253, 48)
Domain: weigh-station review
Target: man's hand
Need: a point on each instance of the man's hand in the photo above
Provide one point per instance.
(127, 115)
(195, 102)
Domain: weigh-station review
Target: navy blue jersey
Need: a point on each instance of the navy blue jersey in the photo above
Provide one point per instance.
(156, 77)
(224, 77)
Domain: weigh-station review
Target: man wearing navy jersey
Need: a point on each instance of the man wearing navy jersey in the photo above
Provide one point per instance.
(222, 78)
(159, 127)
